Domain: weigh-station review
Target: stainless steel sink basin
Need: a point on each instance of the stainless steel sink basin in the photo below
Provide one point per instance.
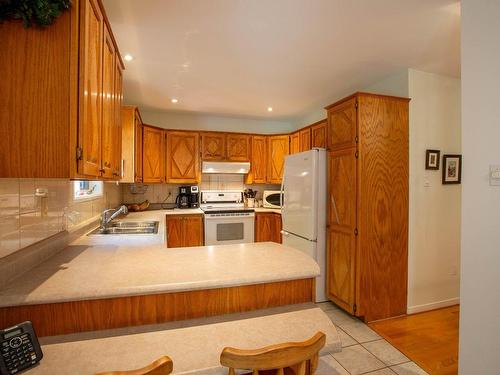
(128, 227)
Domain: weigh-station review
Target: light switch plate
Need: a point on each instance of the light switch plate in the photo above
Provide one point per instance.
(494, 175)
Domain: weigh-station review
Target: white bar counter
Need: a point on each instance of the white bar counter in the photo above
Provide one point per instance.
(194, 346)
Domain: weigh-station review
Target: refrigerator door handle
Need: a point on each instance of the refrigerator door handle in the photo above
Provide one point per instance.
(287, 234)
(282, 191)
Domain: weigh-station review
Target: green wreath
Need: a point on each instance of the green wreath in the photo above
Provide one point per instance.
(39, 12)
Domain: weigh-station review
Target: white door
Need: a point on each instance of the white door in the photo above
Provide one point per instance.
(310, 248)
(299, 211)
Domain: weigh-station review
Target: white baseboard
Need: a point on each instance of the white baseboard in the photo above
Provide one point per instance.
(432, 306)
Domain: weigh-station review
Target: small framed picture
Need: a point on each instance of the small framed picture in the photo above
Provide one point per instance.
(432, 159)
(452, 169)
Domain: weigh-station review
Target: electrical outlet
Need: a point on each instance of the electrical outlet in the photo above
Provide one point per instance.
(494, 175)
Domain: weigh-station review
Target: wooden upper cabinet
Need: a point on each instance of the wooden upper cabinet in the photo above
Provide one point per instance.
(318, 135)
(213, 146)
(294, 143)
(342, 125)
(138, 151)
(131, 153)
(108, 107)
(153, 155)
(91, 86)
(225, 146)
(305, 139)
(58, 107)
(183, 157)
(258, 165)
(277, 149)
(238, 147)
(118, 100)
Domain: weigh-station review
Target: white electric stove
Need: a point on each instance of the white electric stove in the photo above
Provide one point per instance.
(227, 221)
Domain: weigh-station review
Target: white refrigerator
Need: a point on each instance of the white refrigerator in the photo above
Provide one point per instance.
(303, 208)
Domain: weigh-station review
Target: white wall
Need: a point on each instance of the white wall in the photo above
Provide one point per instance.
(193, 121)
(395, 84)
(434, 209)
(434, 217)
(480, 280)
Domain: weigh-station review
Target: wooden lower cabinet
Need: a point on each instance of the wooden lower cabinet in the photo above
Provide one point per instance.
(184, 230)
(267, 227)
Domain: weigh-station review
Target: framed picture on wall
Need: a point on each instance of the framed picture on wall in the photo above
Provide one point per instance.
(452, 169)
(432, 159)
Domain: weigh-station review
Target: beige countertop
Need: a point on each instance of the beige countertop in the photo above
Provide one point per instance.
(105, 266)
(194, 346)
(264, 209)
(184, 211)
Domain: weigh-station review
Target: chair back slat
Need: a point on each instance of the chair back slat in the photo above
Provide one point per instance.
(276, 357)
(162, 366)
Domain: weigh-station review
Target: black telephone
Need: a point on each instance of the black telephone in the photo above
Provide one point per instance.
(19, 348)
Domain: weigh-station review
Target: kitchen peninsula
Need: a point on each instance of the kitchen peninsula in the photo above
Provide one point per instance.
(111, 281)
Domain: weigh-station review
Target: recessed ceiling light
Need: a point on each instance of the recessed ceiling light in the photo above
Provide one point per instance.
(269, 109)
(128, 57)
(174, 100)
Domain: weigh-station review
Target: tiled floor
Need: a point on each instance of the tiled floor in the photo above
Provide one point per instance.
(363, 350)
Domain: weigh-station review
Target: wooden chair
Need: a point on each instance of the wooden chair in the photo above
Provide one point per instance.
(292, 356)
(162, 366)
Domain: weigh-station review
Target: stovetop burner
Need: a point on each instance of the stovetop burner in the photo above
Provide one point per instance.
(226, 210)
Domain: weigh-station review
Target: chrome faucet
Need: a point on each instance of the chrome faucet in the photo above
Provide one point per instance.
(105, 220)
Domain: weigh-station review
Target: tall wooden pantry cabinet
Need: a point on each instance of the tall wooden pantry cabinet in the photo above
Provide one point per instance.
(367, 254)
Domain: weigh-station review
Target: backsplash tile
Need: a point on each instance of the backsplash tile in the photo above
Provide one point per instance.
(9, 197)
(9, 235)
(27, 202)
(158, 193)
(32, 210)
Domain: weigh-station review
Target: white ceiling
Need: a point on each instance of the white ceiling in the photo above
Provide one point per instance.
(237, 57)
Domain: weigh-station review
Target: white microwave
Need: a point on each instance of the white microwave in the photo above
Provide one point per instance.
(271, 198)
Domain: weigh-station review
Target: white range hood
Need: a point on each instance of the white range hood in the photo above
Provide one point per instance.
(229, 167)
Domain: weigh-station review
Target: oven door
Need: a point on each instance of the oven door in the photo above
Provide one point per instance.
(224, 230)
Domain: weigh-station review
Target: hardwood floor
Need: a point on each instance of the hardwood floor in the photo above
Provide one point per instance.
(430, 339)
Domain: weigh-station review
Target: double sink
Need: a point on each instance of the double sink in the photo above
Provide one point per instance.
(128, 227)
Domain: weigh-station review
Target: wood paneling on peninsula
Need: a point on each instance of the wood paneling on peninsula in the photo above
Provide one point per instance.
(90, 315)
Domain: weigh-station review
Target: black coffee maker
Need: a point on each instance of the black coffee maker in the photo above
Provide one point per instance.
(182, 200)
(188, 197)
(194, 197)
